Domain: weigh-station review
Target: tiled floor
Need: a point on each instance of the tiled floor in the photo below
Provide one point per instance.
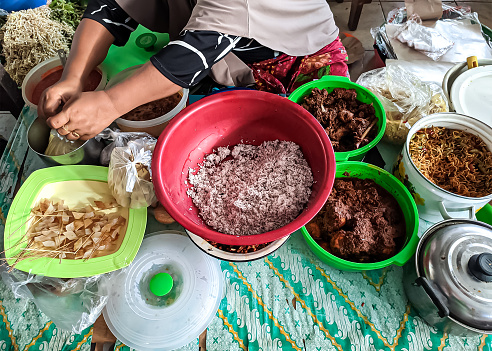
(374, 14)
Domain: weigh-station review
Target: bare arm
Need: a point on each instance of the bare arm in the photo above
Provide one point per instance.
(90, 46)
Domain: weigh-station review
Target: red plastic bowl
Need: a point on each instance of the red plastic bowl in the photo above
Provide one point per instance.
(228, 119)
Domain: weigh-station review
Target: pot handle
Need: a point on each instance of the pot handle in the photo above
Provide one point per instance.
(434, 296)
(445, 212)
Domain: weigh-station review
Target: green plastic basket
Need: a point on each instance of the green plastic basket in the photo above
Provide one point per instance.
(363, 94)
(362, 170)
(73, 184)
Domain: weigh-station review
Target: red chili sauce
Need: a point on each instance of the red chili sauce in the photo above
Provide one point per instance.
(53, 77)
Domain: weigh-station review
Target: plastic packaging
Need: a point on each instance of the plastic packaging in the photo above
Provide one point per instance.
(428, 41)
(399, 15)
(59, 145)
(72, 304)
(118, 139)
(130, 174)
(405, 98)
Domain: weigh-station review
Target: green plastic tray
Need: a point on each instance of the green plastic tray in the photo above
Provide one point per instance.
(363, 94)
(362, 170)
(74, 185)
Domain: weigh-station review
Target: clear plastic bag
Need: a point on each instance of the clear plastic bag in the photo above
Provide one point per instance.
(72, 304)
(428, 41)
(399, 15)
(405, 99)
(118, 139)
(130, 174)
(59, 145)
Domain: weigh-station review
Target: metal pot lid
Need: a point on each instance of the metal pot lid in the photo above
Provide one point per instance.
(456, 255)
(166, 297)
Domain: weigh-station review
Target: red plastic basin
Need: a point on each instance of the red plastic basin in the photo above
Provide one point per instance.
(227, 119)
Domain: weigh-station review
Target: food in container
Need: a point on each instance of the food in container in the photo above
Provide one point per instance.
(348, 122)
(52, 77)
(363, 96)
(435, 203)
(406, 245)
(152, 117)
(153, 109)
(360, 222)
(167, 297)
(59, 232)
(78, 187)
(454, 160)
(49, 72)
(260, 189)
(405, 98)
(236, 253)
(448, 281)
(231, 118)
(241, 249)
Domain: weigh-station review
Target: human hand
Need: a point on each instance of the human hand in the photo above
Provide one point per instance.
(53, 98)
(84, 116)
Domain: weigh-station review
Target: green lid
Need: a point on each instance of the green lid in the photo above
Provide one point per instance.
(161, 284)
(146, 41)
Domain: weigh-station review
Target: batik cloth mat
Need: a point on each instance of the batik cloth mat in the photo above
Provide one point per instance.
(289, 300)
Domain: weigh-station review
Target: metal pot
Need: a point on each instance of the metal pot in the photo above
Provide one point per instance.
(38, 136)
(449, 280)
(434, 203)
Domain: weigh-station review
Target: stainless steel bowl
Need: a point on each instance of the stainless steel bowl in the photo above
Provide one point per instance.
(38, 136)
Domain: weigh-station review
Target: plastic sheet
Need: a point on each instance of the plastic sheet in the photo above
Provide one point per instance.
(130, 173)
(405, 98)
(462, 27)
(72, 304)
(428, 41)
(399, 15)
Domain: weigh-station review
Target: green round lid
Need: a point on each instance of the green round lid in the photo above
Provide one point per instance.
(146, 41)
(161, 284)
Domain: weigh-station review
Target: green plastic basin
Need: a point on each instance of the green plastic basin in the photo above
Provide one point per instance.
(363, 94)
(362, 170)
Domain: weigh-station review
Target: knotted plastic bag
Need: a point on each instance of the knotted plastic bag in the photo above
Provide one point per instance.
(117, 139)
(130, 173)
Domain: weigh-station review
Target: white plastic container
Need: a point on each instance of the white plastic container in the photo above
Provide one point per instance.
(471, 93)
(153, 126)
(151, 315)
(211, 250)
(434, 203)
(42, 70)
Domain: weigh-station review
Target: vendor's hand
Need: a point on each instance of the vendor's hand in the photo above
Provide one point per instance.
(54, 97)
(84, 116)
